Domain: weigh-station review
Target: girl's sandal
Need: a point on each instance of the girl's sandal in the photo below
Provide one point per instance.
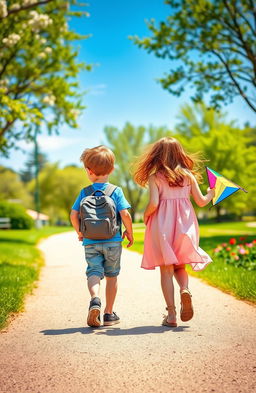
(165, 320)
(186, 311)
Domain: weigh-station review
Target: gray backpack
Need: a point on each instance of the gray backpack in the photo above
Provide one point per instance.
(99, 218)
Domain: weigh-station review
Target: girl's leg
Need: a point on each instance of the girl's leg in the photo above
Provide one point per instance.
(181, 276)
(186, 311)
(111, 290)
(168, 291)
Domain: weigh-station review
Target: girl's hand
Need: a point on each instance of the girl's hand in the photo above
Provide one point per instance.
(129, 237)
(211, 192)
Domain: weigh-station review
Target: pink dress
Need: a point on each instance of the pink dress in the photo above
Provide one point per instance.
(172, 236)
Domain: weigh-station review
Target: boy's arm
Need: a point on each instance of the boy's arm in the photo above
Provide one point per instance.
(74, 218)
(200, 199)
(153, 198)
(127, 221)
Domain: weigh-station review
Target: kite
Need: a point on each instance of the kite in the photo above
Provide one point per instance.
(223, 187)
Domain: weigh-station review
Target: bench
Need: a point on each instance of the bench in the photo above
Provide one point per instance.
(5, 223)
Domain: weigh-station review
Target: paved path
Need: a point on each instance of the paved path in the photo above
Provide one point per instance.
(48, 348)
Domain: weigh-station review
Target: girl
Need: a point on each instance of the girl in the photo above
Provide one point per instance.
(171, 237)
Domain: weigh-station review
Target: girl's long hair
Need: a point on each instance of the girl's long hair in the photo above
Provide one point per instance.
(166, 156)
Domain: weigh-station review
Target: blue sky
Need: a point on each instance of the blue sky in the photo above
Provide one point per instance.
(122, 86)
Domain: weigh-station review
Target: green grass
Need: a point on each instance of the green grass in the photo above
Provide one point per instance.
(237, 281)
(20, 263)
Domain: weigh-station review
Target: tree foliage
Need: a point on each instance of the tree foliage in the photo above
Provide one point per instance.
(227, 149)
(17, 214)
(212, 47)
(28, 173)
(38, 68)
(12, 188)
(59, 189)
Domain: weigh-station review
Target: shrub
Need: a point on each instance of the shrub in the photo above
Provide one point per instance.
(17, 213)
(237, 252)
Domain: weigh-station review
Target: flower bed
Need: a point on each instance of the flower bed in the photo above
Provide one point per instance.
(237, 252)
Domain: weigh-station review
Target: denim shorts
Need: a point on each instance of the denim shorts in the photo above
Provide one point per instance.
(103, 259)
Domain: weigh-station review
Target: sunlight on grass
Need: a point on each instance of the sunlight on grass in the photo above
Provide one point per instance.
(20, 263)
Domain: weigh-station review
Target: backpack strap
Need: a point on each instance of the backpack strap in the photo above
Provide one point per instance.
(89, 190)
(110, 189)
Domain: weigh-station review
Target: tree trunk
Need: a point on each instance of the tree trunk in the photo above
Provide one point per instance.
(132, 212)
(218, 215)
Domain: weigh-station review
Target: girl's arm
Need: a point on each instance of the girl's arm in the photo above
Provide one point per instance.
(200, 199)
(153, 198)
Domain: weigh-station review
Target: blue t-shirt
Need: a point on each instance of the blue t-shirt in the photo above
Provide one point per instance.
(120, 202)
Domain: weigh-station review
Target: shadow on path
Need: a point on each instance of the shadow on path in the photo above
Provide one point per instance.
(113, 331)
(58, 332)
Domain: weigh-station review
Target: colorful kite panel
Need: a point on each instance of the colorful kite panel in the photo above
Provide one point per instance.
(223, 187)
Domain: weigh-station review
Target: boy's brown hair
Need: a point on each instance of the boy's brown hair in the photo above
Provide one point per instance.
(100, 160)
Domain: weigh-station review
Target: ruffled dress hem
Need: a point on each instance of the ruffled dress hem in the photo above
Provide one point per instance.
(194, 265)
(196, 257)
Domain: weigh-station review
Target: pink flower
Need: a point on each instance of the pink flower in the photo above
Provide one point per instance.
(236, 257)
(249, 245)
(232, 241)
(224, 244)
(242, 251)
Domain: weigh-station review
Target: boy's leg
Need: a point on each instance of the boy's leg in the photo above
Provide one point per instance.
(95, 273)
(168, 292)
(112, 253)
(181, 276)
(93, 283)
(111, 291)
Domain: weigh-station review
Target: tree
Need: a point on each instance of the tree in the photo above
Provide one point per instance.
(227, 148)
(251, 133)
(11, 187)
(28, 173)
(212, 47)
(71, 180)
(59, 189)
(38, 70)
(126, 145)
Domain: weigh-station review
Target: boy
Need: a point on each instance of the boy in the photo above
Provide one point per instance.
(102, 256)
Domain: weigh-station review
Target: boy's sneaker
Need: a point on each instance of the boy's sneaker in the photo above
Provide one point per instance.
(93, 318)
(110, 319)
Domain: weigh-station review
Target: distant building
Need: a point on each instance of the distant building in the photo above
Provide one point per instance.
(42, 218)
